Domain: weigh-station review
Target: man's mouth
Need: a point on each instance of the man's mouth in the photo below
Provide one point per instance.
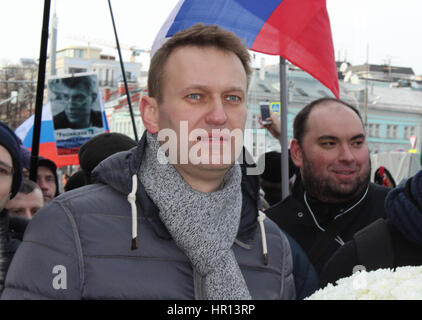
(344, 173)
(213, 138)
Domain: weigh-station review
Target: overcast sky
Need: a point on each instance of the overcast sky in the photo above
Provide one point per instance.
(389, 28)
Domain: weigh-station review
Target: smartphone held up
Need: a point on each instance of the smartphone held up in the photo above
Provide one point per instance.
(265, 113)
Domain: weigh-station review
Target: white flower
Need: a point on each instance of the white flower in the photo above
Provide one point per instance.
(405, 283)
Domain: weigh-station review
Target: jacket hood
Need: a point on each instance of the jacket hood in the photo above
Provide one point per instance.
(117, 170)
(404, 208)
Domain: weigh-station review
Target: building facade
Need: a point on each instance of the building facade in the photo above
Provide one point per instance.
(392, 115)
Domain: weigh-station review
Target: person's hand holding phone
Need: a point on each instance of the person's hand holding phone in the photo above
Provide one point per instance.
(271, 123)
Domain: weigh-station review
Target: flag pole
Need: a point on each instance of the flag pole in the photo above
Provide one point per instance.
(40, 92)
(124, 74)
(283, 122)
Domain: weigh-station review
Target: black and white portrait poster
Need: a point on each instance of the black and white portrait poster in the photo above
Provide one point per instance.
(76, 109)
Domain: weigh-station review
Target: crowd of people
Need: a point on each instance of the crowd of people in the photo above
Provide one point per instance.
(131, 224)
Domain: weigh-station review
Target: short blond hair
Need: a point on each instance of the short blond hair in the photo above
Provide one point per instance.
(200, 36)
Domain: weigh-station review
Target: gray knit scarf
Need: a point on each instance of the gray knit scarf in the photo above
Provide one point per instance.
(203, 225)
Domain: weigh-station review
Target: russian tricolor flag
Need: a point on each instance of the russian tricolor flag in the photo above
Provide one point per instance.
(47, 147)
(298, 30)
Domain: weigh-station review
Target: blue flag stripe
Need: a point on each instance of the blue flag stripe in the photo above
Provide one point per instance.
(47, 134)
(245, 18)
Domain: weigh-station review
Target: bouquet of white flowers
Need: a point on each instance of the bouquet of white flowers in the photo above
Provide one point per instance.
(405, 283)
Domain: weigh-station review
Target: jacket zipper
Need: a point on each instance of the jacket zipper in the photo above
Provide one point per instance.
(198, 282)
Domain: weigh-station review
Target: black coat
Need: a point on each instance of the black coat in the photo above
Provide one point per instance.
(11, 233)
(293, 216)
(387, 243)
(344, 260)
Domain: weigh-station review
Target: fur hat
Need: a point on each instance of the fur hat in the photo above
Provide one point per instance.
(11, 142)
(101, 147)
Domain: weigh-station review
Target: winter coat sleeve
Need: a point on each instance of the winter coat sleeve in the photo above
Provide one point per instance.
(48, 264)
(4, 245)
(305, 276)
(340, 265)
(289, 290)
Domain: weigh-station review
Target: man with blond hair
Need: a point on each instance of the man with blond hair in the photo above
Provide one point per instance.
(155, 227)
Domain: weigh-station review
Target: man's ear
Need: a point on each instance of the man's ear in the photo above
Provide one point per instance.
(296, 153)
(149, 113)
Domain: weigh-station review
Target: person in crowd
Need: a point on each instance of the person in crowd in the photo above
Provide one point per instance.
(334, 198)
(392, 242)
(76, 180)
(74, 97)
(27, 201)
(10, 181)
(384, 178)
(93, 152)
(101, 147)
(152, 225)
(47, 179)
(26, 161)
(270, 179)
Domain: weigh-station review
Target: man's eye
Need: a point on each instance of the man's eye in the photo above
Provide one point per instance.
(5, 172)
(233, 98)
(328, 143)
(194, 96)
(357, 143)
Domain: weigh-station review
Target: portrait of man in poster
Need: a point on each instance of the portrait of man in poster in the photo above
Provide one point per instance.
(76, 110)
(74, 102)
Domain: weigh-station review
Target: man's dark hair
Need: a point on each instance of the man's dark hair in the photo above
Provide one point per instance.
(28, 186)
(300, 121)
(86, 82)
(199, 35)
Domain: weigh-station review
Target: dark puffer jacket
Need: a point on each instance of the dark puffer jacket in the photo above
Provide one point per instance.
(79, 247)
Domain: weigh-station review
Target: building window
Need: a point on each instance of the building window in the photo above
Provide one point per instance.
(406, 132)
(412, 131)
(388, 131)
(78, 53)
(394, 133)
(77, 70)
(377, 130)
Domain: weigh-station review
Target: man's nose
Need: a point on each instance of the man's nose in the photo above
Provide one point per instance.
(28, 214)
(217, 114)
(346, 153)
(41, 183)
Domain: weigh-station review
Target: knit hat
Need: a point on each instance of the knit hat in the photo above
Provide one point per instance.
(10, 141)
(101, 147)
(25, 157)
(44, 162)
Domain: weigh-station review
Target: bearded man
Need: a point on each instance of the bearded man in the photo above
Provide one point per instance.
(334, 197)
